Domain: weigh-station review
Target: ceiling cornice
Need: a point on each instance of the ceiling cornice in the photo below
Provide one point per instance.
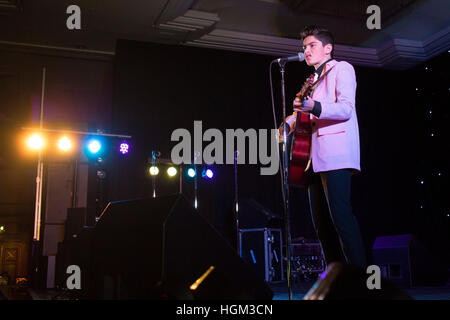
(197, 28)
(393, 54)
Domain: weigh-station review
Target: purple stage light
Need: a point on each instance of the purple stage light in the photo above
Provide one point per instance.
(209, 173)
(124, 147)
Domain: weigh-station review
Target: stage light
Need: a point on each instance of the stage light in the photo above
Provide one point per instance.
(207, 173)
(64, 144)
(153, 170)
(94, 146)
(171, 171)
(124, 147)
(2, 229)
(199, 281)
(191, 172)
(36, 142)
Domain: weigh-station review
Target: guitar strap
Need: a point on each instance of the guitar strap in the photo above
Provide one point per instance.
(315, 84)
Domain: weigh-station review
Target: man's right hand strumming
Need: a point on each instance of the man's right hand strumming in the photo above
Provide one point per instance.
(289, 120)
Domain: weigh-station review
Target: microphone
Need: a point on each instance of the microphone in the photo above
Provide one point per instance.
(299, 57)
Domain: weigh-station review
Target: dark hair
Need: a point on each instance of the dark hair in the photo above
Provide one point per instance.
(321, 33)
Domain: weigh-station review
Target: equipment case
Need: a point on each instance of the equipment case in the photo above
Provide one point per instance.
(262, 249)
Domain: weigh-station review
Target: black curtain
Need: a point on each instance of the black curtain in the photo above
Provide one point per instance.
(159, 88)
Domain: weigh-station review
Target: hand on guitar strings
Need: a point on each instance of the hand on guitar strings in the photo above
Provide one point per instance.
(306, 106)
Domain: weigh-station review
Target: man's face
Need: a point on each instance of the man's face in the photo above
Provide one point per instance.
(315, 51)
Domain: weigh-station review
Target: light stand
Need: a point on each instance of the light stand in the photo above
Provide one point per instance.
(155, 155)
(36, 244)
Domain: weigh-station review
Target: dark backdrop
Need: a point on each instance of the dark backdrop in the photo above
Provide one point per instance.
(158, 88)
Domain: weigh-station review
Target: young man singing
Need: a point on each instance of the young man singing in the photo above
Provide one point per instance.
(334, 149)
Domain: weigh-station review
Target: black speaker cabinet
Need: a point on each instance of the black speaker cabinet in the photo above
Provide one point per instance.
(405, 262)
(157, 248)
(75, 250)
(77, 219)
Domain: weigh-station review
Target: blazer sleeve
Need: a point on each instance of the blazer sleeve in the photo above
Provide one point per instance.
(342, 108)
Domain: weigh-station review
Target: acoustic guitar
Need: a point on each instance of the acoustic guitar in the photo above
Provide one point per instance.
(301, 139)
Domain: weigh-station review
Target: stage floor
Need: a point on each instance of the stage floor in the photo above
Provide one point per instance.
(301, 287)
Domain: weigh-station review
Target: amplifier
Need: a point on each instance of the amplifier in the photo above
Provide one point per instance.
(307, 259)
(262, 249)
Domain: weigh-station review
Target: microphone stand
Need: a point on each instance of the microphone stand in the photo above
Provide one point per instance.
(196, 156)
(236, 205)
(285, 186)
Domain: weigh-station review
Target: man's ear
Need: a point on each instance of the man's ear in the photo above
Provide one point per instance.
(328, 48)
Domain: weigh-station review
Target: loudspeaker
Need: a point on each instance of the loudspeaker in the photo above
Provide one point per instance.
(157, 248)
(343, 281)
(253, 214)
(75, 250)
(77, 218)
(406, 262)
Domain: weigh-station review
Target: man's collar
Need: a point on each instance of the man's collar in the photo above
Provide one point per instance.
(319, 69)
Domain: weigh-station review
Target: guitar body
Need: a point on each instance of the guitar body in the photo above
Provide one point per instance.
(301, 139)
(300, 149)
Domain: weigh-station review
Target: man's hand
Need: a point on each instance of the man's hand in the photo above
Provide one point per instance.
(290, 118)
(305, 106)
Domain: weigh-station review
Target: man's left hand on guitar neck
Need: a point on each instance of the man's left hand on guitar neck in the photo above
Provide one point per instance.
(309, 105)
(306, 106)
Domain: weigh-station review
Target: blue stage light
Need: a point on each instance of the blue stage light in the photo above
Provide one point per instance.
(94, 146)
(191, 172)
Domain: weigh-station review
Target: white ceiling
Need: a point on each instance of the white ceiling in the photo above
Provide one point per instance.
(412, 31)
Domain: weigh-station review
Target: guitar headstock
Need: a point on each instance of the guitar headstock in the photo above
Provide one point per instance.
(306, 88)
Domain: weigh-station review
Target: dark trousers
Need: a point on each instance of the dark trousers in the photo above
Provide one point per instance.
(333, 219)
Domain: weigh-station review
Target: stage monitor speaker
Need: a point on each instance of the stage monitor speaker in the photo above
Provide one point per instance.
(348, 282)
(157, 248)
(253, 214)
(406, 262)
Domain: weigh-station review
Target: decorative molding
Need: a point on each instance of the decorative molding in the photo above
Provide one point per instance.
(193, 24)
(248, 42)
(10, 6)
(395, 54)
(196, 28)
(404, 54)
(173, 9)
(56, 51)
